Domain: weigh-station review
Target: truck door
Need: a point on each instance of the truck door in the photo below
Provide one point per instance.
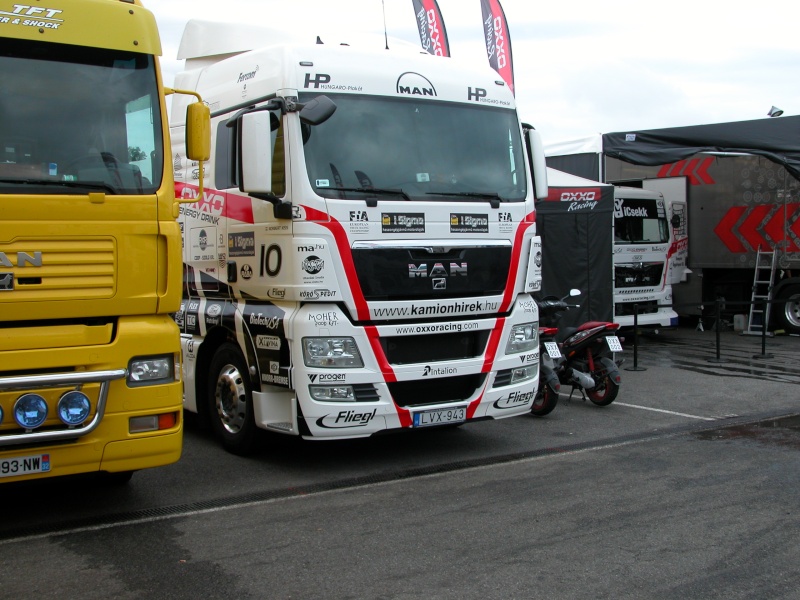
(674, 191)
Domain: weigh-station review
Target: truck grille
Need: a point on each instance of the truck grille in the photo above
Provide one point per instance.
(403, 350)
(425, 391)
(625, 309)
(638, 275)
(433, 270)
(70, 268)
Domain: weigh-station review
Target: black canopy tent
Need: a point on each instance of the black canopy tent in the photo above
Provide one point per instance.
(575, 223)
(777, 139)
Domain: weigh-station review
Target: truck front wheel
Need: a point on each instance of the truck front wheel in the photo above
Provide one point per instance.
(230, 401)
(788, 309)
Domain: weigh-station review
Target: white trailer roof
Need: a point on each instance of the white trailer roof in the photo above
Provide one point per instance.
(592, 144)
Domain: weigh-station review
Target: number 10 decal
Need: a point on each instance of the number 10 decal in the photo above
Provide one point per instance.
(271, 259)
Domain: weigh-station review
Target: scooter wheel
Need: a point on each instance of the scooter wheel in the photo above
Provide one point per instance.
(605, 392)
(545, 400)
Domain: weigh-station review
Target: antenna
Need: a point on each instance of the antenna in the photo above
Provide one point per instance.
(385, 34)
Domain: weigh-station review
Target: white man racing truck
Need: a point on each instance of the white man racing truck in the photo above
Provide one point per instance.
(363, 257)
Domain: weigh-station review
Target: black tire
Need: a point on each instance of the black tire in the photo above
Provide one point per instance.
(787, 314)
(605, 392)
(230, 401)
(545, 400)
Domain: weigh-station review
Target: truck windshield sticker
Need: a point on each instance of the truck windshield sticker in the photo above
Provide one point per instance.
(403, 222)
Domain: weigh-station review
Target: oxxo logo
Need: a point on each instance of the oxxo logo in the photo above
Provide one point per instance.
(577, 196)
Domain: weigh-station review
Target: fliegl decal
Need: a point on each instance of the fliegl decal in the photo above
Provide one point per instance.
(347, 419)
(514, 400)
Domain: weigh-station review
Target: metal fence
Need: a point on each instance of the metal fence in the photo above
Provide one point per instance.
(718, 304)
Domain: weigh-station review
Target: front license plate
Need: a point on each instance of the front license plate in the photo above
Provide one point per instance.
(440, 416)
(24, 465)
(552, 349)
(613, 343)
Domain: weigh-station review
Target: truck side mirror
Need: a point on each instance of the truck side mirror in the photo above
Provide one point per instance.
(255, 160)
(317, 111)
(538, 163)
(675, 221)
(198, 131)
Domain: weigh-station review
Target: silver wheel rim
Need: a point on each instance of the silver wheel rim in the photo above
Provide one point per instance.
(230, 399)
(792, 310)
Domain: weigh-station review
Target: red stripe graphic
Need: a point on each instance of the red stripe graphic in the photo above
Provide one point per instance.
(746, 228)
(345, 255)
(695, 170)
(386, 370)
(217, 203)
(724, 229)
(516, 255)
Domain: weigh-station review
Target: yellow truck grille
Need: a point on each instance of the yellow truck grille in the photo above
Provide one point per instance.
(58, 269)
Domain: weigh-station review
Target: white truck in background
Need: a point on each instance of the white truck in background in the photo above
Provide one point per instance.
(363, 255)
(650, 234)
(649, 256)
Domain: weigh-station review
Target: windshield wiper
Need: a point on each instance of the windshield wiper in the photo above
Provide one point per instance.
(92, 185)
(372, 190)
(493, 197)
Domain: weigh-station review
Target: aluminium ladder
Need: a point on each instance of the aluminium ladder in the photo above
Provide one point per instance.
(763, 283)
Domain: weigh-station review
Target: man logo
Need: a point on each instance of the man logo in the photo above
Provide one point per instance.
(414, 84)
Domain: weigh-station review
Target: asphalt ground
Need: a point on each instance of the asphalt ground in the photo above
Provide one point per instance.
(687, 486)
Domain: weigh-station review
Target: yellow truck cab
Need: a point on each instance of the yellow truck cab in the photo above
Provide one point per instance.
(90, 250)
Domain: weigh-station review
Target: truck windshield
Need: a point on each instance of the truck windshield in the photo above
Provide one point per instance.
(416, 150)
(77, 120)
(640, 221)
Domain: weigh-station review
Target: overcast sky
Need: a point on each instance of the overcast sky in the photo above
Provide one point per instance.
(581, 66)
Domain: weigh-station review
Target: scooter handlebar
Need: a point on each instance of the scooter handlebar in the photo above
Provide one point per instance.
(554, 305)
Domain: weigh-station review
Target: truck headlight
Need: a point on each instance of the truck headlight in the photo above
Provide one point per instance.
(151, 370)
(523, 338)
(332, 352)
(332, 393)
(521, 374)
(30, 411)
(74, 408)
